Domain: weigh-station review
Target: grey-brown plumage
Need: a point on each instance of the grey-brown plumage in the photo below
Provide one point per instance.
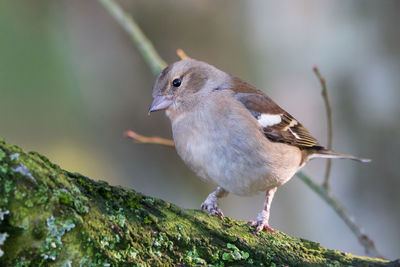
(232, 134)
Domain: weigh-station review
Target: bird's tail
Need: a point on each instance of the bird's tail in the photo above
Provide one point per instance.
(326, 153)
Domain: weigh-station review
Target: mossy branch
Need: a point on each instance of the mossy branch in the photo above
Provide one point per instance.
(52, 217)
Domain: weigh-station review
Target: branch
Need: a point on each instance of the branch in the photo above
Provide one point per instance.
(324, 93)
(181, 54)
(52, 217)
(148, 140)
(324, 190)
(157, 64)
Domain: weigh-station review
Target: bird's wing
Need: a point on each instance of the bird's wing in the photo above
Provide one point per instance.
(277, 124)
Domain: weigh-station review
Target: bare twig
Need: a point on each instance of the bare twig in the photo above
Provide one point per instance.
(146, 48)
(157, 64)
(181, 54)
(324, 93)
(324, 190)
(364, 240)
(149, 140)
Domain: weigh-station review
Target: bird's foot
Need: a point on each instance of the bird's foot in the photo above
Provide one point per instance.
(212, 208)
(260, 225)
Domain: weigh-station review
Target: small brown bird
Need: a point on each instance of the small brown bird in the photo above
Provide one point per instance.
(230, 133)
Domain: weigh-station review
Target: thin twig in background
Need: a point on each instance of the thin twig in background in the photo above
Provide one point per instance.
(141, 139)
(181, 54)
(324, 190)
(157, 64)
(324, 93)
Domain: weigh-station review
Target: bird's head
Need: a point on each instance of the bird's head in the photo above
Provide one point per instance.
(183, 83)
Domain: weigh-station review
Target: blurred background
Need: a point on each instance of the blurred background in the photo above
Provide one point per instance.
(71, 82)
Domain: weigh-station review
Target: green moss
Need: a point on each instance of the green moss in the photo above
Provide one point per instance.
(65, 219)
(64, 197)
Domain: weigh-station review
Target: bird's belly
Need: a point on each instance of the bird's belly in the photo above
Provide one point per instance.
(235, 169)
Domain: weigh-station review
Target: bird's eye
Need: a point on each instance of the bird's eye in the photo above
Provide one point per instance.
(177, 82)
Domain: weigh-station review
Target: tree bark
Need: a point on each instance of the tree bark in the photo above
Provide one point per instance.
(50, 216)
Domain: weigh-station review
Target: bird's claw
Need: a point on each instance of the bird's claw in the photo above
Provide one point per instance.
(212, 209)
(260, 225)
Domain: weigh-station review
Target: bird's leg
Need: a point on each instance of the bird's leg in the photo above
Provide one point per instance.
(263, 217)
(211, 203)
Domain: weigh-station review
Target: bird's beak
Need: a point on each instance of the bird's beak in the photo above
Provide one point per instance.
(160, 102)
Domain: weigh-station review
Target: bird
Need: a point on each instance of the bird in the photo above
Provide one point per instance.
(232, 134)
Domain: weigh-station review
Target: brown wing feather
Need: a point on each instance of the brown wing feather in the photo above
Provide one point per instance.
(289, 130)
